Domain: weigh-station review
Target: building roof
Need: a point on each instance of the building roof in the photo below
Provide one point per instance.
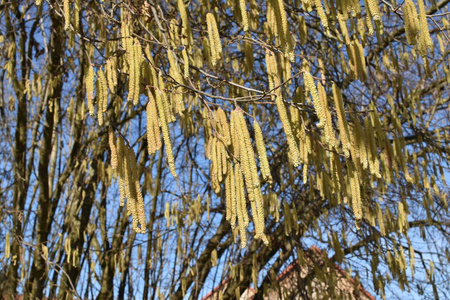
(296, 279)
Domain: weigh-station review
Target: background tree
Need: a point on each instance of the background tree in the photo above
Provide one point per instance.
(154, 148)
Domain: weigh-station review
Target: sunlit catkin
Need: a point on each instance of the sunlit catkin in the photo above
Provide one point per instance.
(112, 147)
(214, 38)
(327, 122)
(244, 14)
(360, 59)
(111, 73)
(411, 22)
(186, 63)
(7, 246)
(166, 133)
(311, 86)
(186, 29)
(66, 14)
(356, 193)
(102, 98)
(342, 120)
(274, 80)
(241, 206)
(372, 6)
(90, 86)
(261, 147)
(153, 132)
(120, 170)
(321, 13)
(137, 61)
(222, 126)
(425, 40)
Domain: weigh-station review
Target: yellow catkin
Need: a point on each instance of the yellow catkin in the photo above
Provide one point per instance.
(66, 14)
(140, 208)
(321, 13)
(344, 29)
(247, 157)
(7, 246)
(372, 6)
(130, 190)
(137, 61)
(228, 187)
(411, 22)
(425, 40)
(112, 146)
(128, 45)
(102, 98)
(222, 126)
(233, 195)
(261, 147)
(281, 18)
(38, 2)
(360, 59)
(274, 78)
(90, 86)
(111, 73)
(327, 122)
(135, 201)
(244, 14)
(214, 38)
(162, 94)
(358, 142)
(167, 213)
(153, 132)
(342, 120)
(245, 152)
(242, 215)
(121, 169)
(165, 131)
(311, 87)
(224, 158)
(186, 27)
(356, 193)
(374, 163)
(186, 63)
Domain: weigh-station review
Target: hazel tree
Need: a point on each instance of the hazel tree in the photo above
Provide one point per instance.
(156, 148)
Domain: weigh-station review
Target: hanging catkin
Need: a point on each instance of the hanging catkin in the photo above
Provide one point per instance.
(372, 6)
(113, 148)
(261, 147)
(165, 131)
(90, 86)
(244, 14)
(102, 97)
(153, 132)
(111, 73)
(274, 77)
(342, 120)
(360, 59)
(242, 215)
(222, 126)
(356, 192)
(186, 63)
(249, 169)
(411, 22)
(186, 27)
(66, 14)
(137, 61)
(321, 13)
(214, 38)
(121, 169)
(425, 40)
